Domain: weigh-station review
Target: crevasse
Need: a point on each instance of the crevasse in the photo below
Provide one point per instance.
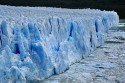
(36, 43)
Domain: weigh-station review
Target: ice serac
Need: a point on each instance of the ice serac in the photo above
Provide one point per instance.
(36, 43)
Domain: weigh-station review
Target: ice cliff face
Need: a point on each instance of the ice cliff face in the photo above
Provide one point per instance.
(36, 43)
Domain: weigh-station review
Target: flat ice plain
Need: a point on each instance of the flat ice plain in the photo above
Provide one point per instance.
(38, 42)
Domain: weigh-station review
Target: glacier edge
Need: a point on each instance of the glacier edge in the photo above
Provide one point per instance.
(34, 46)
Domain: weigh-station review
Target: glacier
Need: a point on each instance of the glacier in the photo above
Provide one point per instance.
(38, 42)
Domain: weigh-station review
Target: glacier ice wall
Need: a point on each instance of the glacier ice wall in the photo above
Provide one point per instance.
(36, 43)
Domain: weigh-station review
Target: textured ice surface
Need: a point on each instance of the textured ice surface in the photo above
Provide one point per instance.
(36, 43)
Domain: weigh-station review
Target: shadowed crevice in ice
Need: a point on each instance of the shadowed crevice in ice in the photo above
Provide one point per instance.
(16, 51)
(71, 29)
(4, 28)
(104, 22)
(50, 26)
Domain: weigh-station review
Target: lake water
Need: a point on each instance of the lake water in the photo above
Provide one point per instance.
(121, 26)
